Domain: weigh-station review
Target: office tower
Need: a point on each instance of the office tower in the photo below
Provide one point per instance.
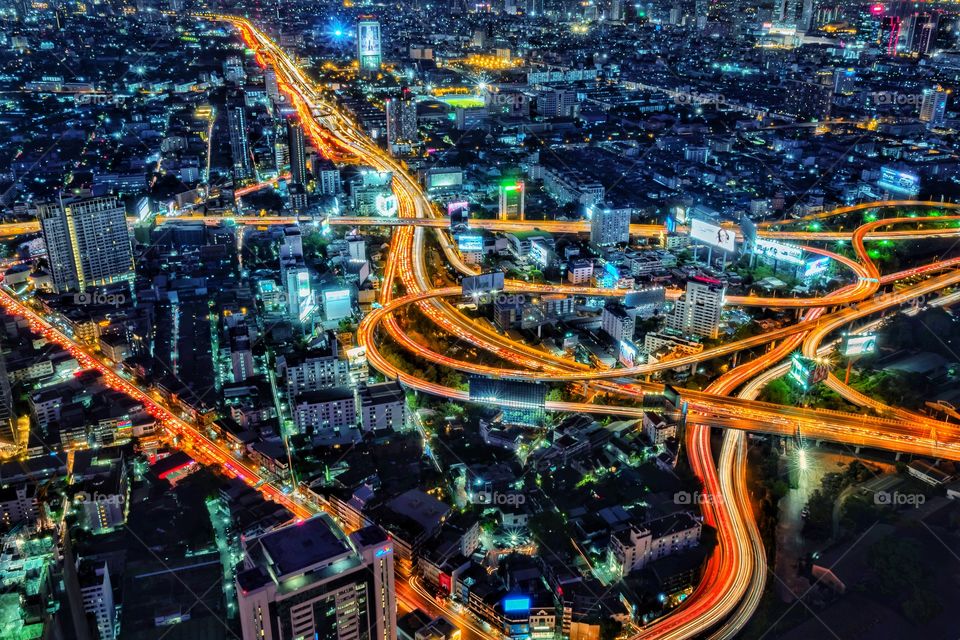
(890, 34)
(88, 242)
(401, 118)
(698, 309)
(511, 201)
(310, 580)
(933, 109)
(272, 88)
(298, 152)
(609, 225)
(239, 145)
(923, 30)
(947, 31)
(368, 45)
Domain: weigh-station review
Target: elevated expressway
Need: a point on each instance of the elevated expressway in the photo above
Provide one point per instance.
(406, 264)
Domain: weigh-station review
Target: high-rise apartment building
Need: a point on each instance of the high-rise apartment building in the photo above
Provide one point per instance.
(609, 225)
(933, 109)
(698, 309)
(88, 242)
(310, 580)
(401, 118)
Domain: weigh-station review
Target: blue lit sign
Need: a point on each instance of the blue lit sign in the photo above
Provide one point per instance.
(382, 551)
(516, 604)
(470, 243)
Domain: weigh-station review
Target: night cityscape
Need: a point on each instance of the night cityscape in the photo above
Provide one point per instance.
(472, 320)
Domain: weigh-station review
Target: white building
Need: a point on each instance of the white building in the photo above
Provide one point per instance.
(383, 407)
(698, 309)
(635, 547)
(618, 322)
(327, 412)
(657, 428)
(609, 225)
(580, 271)
(319, 368)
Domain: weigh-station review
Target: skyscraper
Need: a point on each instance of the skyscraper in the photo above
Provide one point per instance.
(401, 118)
(698, 310)
(511, 201)
(239, 145)
(310, 580)
(933, 109)
(298, 152)
(923, 31)
(368, 45)
(88, 242)
(609, 225)
(890, 34)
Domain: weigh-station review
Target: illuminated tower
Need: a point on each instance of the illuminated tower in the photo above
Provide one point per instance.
(368, 45)
(511, 201)
(401, 118)
(890, 34)
(298, 152)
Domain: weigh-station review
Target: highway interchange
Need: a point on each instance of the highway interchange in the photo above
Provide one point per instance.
(734, 578)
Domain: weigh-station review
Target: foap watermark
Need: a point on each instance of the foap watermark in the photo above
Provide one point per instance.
(896, 98)
(698, 99)
(897, 499)
(510, 298)
(99, 99)
(500, 498)
(512, 100)
(99, 299)
(99, 498)
(687, 498)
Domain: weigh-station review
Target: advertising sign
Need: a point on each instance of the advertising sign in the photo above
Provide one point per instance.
(712, 234)
(816, 267)
(779, 251)
(858, 345)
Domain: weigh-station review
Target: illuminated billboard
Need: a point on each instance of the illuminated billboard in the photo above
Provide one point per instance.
(806, 372)
(858, 345)
(904, 182)
(516, 604)
(816, 267)
(368, 45)
(779, 251)
(712, 234)
(470, 243)
(444, 179)
(628, 354)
